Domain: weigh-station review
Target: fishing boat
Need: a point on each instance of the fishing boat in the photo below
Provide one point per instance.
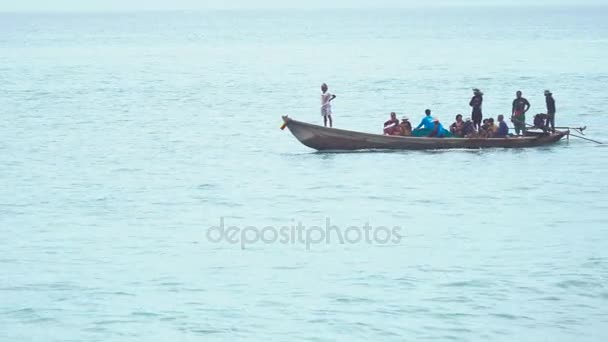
(332, 139)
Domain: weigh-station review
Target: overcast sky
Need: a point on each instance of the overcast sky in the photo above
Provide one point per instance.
(118, 5)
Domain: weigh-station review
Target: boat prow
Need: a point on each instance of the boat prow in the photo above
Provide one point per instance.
(332, 139)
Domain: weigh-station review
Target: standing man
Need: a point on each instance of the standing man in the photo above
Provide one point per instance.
(476, 102)
(520, 107)
(326, 99)
(550, 110)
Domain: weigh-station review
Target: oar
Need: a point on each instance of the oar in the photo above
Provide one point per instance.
(575, 128)
(578, 136)
(581, 129)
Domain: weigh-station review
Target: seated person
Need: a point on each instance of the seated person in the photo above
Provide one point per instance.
(438, 130)
(483, 131)
(492, 128)
(468, 129)
(457, 127)
(540, 121)
(391, 125)
(405, 127)
(427, 122)
(503, 128)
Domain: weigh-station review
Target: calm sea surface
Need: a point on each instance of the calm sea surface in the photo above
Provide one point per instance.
(124, 137)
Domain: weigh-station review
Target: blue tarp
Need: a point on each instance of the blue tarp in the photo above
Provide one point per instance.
(425, 132)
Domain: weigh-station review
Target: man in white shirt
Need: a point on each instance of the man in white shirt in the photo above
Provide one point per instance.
(326, 99)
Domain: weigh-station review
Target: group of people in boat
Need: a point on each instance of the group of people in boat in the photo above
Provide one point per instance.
(471, 127)
(475, 126)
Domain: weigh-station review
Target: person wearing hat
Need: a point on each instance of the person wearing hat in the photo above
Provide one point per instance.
(405, 127)
(476, 102)
(550, 110)
(468, 130)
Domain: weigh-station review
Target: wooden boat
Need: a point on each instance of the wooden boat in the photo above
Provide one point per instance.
(323, 139)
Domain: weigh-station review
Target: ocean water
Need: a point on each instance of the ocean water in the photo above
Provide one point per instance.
(126, 137)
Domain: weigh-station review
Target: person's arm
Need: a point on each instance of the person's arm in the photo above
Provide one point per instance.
(421, 124)
(527, 106)
(513, 108)
(471, 102)
(332, 97)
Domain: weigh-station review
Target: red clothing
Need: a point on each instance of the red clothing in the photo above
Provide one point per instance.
(390, 126)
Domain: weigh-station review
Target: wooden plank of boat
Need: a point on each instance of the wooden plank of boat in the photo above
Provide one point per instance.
(323, 139)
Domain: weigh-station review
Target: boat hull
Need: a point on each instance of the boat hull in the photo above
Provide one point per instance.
(323, 139)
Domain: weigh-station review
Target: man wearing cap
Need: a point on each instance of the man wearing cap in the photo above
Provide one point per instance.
(476, 102)
(550, 110)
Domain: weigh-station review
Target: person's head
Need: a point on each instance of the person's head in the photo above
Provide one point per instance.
(518, 94)
(405, 119)
(485, 121)
(491, 121)
(501, 118)
(477, 92)
(427, 112)
(393, 115)
(459, 117)
(324, 87)
(548, 93)
(468, 120)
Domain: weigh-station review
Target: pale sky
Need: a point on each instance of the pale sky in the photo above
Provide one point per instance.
(119, 5)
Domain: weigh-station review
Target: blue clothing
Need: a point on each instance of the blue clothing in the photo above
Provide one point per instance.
(441, 132)
(503, 130)
(427, 122)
